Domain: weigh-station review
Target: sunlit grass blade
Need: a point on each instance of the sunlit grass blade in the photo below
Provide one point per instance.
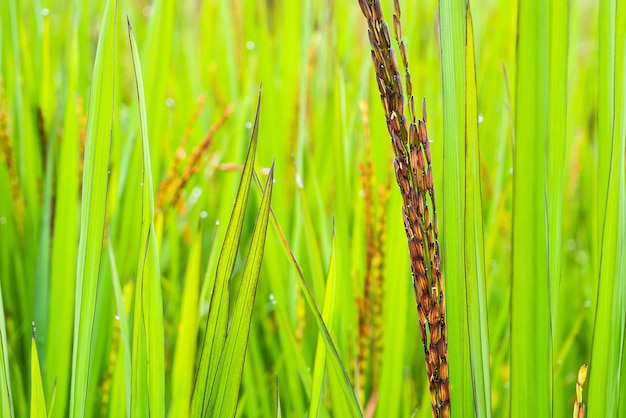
(558, 33)
(452, 16)
(223, 399)
(122, 317)
(6, 399)
(217, 319)
(185, 351)
(531, 353)
(37, 400)
(475, 273)
(320, 351)
(5, 394)
(606, 366)
(64, 240)
(42, 270)
(93, 210)
(279, 413)
(148, 367)
(337, 365)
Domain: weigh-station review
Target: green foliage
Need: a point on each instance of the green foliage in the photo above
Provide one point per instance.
(119, 160)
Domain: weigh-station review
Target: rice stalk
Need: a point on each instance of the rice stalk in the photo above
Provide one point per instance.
(377, 283)
(579, 406)
(370, 306)
(170, 188)
(412, 164)
(7, 155)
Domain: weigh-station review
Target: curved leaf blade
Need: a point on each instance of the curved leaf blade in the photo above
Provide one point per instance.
(148, 364)
(475, 272)
(217, 319)
(223, 400)
(94, 203)
(37, 400)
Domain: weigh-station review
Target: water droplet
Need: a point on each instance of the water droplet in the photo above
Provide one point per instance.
(511, 170)
(169, 102)
(203, 214)
(480, 118)
(274, 180)
(117, 317)
(299, 182)
(587, 304)
(217, 223)
(248, 125)
(45, 11)
(272, 299)
(250, 45)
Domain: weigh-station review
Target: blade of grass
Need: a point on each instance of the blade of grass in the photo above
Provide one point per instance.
(453, 42)
(64, 240)
(93, 211)
(531, 353)
(606, 367)
(206, 280)
(37, 400)
(148, 363)
(335, 361)
(476, 298)
(558, 32)
(320, 351)
(42, 270)
(6, 399)
(223, 399)
(278, 411)
(217, 319)
(185, 351)
(122, 317)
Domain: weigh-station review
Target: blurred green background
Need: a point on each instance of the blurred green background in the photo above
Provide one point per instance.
(321, 120)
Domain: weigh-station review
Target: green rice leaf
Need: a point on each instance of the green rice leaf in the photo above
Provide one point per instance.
(337, 365)
(64, 242)
(37, 400)
(93, 210)
(217, 320)
(476, 299)
(122, 317)
(148, 368)
(223, 399)
(606, 367)
(453, 257)
(558, 32)
(531, 352)
(278, 411)
(185, 351)
(6, 399)
(320, 351)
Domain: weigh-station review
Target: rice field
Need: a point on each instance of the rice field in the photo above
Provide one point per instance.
(227, 208)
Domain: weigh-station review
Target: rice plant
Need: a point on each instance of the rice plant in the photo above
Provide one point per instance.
(176, 240)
